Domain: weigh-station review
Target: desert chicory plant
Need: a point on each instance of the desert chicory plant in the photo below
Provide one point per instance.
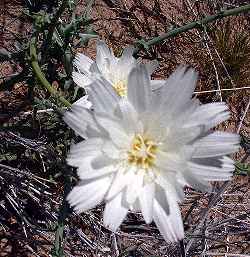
(109, 67)
(141, 150)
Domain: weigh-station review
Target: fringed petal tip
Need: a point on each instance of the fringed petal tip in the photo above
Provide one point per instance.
(82, 62)
(170, 225)
(114, 213)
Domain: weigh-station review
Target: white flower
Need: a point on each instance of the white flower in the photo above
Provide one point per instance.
(141, 150)
(108, 67)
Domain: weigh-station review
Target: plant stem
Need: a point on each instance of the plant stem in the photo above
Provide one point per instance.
(55, 20)
(192, 25)
(57, 250)
(81, 21)
(51, 29)
(39, 74)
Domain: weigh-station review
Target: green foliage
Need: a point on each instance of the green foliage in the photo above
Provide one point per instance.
(51, 49)
(242, 168)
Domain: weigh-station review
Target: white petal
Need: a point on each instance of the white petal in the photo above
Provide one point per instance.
(156, 97)
(198, 183)
(101, 161)
(169, 161)
(82, 80)
(181, 74)
(217, 120)
(170, 224)
(114, 213)
(181, 136)
(94, 69)
(82, 62)
(110, 150)
(129, 116)
(127, 59)
(95, 166)
(169, 183)
(180, 116)
(103, 96)
(156, 84)
(134, 188)
(153, 126)
(139, 91)
(85, 197)
(103, 54)
(81, 161)
(177, 90)
(209, 114)
(160, 193)
(79, 158)
(88, 148)
(84, 102)
(152, 66)
(116, 132)
(216, 144)
(102, 49)
(79, 119)
(95, 173)
(146, 201)
(168, 119)
(121, 180)
(212, 169)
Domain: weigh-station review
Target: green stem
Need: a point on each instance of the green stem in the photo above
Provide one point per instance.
(57, 250)
(39, 74)
(51, 29)
(54, 21)
(73, 26)
(192, 25)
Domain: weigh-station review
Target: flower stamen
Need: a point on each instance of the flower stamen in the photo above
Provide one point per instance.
(121, 88)
(142, 153)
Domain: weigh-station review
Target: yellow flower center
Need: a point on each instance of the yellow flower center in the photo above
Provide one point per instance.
(121, 88)
(142, 153)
